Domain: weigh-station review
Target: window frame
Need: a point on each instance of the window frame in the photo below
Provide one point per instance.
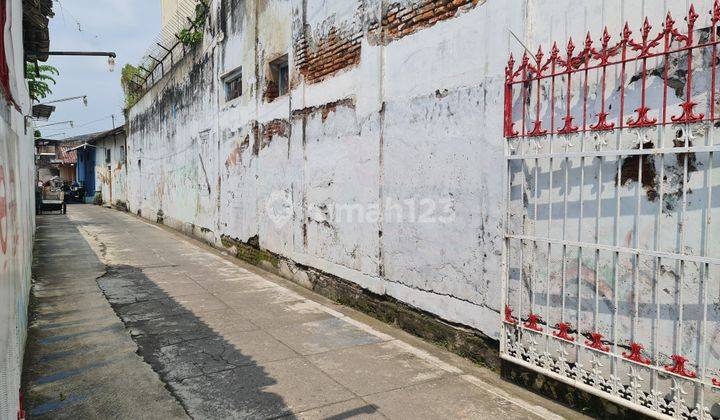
(235, 75)
(280, 74)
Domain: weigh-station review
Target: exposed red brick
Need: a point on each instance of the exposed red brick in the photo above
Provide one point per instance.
(325, 109)
(399, 21)
(338, 50)
(278, 127)
(271, 91)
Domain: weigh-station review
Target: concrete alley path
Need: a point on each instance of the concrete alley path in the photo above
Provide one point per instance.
(131, 320)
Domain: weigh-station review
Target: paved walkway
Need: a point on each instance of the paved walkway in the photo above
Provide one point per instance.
(131, 320)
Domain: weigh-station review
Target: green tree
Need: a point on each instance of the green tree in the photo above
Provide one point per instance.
(39, 79)
(194, 35)
(131, 90)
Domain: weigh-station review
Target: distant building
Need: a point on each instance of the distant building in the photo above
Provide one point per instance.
(56, 158)
(101, 165)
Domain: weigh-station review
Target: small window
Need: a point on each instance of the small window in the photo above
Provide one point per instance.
(278, 85)
(107, 155)
(233, 84)
(123, 157)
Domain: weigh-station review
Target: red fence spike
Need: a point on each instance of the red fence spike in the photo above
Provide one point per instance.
(532, 322)
(678, 366)
(563, 333)
(692, 17)
(715, 382)
(688, 115)
(626, 33)
(596, 342)
(669, 22)
(595, 61)
(509, 318)
(554, 52)
(636, 354)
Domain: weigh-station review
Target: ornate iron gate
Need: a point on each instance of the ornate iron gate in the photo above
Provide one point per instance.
(612, 276)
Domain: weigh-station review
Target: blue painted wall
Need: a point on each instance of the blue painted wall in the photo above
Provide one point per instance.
(86, 170)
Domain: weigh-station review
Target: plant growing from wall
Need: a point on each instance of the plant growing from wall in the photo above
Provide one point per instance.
(131, 90)
(194, 34)
(39, 79)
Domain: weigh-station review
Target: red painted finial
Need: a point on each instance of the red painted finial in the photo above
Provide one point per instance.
(626, 33)
(678, 366)
(532, 322)
(554, 53)
(564, 328)
(605, 38)
(596, 342)
(510, 69)
(646, 28)
(509, 318)
(692, 16)
(539, 56)
(669, 22)
(636, 354)
(715, 13)
(570, 48)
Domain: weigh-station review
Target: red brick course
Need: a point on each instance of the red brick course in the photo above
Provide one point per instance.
(399, 21)
(338, 50)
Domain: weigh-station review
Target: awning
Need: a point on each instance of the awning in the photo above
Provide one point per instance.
(82, 146)
(42, 112)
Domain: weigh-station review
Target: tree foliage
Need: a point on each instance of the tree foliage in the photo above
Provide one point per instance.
(40, 79)
(132, 91)
(194, 35)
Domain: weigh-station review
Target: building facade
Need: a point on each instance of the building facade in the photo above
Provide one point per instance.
(359, 148)
(19, 20)
(101, 166)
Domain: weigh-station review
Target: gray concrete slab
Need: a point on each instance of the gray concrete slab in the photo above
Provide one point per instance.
(171, 328)
(449, 398)
(80, 361)
(322, 336)
(271, 390)
(377, 368)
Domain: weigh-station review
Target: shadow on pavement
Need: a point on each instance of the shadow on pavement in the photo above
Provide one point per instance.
(206, 373)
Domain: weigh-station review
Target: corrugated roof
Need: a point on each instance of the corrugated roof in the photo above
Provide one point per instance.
(94, 137)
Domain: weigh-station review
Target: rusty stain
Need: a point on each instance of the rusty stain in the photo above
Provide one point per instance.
(235, 156)
(630, 171)
(324, 109)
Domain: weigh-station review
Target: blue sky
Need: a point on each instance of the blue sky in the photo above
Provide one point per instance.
(126, 27)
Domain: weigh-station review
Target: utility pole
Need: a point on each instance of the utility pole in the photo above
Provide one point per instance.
(113, 120)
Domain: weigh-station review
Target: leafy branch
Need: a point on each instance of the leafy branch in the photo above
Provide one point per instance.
(131, 90)
(39, 79)
(194, 34)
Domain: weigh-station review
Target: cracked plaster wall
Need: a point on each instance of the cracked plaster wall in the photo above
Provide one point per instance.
(418, 117)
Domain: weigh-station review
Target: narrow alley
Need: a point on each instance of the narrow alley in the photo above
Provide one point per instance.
(131, 320)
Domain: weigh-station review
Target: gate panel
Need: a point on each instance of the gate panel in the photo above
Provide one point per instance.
(612, 279)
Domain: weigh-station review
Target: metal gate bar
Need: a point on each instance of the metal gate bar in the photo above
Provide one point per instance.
(620, 351)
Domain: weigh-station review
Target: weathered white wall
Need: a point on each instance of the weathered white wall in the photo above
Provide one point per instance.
(17, 220)
(111, 177)
(420, 121)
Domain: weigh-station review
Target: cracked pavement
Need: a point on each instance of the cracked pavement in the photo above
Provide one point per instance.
(131, 320)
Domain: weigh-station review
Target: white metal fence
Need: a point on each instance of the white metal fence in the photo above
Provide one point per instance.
(612, 253)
